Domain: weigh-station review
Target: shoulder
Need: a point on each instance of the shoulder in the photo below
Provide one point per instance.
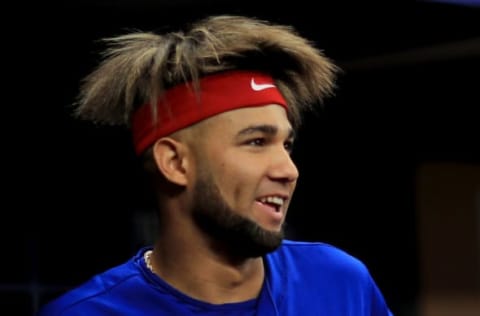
(317, 256)
(306, 274)
(104, 286)
(317, 253)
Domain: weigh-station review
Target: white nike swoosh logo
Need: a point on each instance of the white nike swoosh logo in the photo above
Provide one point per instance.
(259, 87)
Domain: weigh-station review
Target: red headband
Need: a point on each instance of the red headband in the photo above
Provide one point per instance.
(181, 107)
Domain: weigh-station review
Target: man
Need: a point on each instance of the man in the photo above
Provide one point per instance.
(213, 113)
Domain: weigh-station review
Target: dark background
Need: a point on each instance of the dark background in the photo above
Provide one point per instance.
(408, 96)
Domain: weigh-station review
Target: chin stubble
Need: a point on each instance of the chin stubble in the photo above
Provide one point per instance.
(231, 232)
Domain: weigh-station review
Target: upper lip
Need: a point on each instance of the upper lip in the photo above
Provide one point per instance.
(282, 196)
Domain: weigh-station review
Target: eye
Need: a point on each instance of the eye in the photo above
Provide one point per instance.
(257, 142)
(288, 146)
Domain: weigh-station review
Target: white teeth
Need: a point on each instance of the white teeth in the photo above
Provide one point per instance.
(272, 200)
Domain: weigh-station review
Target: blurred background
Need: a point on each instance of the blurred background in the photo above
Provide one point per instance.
(390, 166)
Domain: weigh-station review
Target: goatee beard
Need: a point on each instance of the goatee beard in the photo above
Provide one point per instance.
(240, 237)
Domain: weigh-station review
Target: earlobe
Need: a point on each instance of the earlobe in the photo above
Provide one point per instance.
(169, 156)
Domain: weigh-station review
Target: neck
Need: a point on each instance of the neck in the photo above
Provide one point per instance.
(199, 271)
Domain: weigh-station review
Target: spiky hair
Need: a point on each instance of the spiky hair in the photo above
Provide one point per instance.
(138, 67)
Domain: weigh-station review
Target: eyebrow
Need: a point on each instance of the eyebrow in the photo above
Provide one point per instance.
(265, 129)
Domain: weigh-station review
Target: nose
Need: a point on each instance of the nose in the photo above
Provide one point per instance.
(283, 168)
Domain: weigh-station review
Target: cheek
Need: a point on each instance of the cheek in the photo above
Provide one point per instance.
(230, 172)
(237, 175)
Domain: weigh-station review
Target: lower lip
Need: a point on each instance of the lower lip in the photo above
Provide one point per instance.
(274, 216)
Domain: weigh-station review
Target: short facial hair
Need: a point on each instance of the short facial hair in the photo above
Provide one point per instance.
(235, 234)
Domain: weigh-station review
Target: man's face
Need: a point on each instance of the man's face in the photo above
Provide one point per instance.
(245, 178)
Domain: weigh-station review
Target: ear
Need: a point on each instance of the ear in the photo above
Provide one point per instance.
(170, 158)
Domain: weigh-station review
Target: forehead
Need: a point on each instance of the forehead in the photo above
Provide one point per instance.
(238, 119)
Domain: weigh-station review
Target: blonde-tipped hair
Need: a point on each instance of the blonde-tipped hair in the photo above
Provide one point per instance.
(138, 67)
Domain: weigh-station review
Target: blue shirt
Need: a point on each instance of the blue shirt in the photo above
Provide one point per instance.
(302, 278)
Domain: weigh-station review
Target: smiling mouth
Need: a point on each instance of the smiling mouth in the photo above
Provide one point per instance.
(274, 201)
